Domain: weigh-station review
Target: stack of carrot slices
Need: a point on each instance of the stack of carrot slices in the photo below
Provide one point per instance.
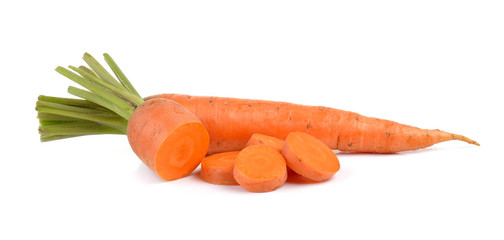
(263, 165)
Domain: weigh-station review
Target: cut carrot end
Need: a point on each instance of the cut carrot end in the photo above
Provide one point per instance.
(168, 138)
(182, 151)
(218, 168)
(261, 139)
(309, 157)
(260, 168)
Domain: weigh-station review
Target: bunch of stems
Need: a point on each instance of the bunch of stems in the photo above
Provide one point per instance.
(103, 106)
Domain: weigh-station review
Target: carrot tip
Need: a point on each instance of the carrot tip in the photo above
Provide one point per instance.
(465, 139)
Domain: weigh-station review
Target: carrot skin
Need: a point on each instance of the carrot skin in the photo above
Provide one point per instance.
(232, 121)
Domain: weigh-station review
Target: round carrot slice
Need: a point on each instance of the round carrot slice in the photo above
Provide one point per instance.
(261, 139)
(259, 168)
(309, 157)
(218, 168)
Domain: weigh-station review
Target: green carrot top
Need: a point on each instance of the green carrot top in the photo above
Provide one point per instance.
(105, 105)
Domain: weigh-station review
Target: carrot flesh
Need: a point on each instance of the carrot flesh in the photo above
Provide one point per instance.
(261, 139)
(309, 157)
(218, 168)
(277, 144)
(168, 138)
(232, 121)
(259, 168)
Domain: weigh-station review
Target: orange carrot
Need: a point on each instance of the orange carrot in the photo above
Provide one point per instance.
(173, 138)
(261, 139)
(218, 168)
(167, 138)
(231, 122)
(259, 168)
(309, 157)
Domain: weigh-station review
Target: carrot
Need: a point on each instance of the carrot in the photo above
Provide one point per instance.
(167, 137)
(261, 139)
(259, 168)
(218, 168)
(108, 103)
(232, 121)
(310, 157)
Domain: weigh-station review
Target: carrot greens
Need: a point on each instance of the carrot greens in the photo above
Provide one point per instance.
(105, 105)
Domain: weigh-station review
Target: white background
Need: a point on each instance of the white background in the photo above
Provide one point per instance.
(432, 64)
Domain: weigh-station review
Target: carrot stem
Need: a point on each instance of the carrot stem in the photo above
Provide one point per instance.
(101, 95)
(120, 75)
(133, 99)
(70, 102)
(94, 115)
(104, 108)
(76, 128)
(101, 71)
(88, 70)
(122, 109)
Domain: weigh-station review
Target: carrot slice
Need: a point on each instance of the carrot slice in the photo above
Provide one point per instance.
(218, 168)
(168, 138)
(309, 157)
(259, 168)
(261, 139)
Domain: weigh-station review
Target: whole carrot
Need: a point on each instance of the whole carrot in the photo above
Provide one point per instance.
(232, 121)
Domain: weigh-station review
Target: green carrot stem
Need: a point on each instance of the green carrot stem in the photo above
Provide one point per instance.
(70, 102)
(88, 70)
(104, 94)
(53, 117)
(120, 75)
(77, 128)
(120, 108)
(71, 108)
(52, 122)
(101, 71)
(132, 99)
(101, 117)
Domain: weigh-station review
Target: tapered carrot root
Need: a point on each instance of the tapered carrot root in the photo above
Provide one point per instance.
(259, 168)
(231, 122)
(218, 168)
(167, 138)
(261, 139)
(309, 157)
